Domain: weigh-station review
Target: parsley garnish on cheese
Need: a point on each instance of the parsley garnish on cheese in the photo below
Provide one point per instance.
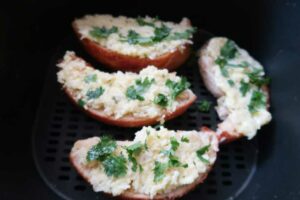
(115, 166)
(200, 152)
(134, 150)
(161, 100)
(258, 99)
(177, 87)
(141, 86)
(159, 171)
(94, 94)
(105, 147)
(102, 32)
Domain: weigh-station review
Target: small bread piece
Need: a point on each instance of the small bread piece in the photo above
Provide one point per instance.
(123, 99)
(170, 163)
(238, 81)
(121, 45)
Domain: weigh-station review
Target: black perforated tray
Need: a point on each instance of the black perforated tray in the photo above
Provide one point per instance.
(59, 124)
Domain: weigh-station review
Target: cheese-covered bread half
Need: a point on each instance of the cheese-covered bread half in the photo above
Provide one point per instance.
(157, 164)
(125, 99)
(131, 44)
(239, 83)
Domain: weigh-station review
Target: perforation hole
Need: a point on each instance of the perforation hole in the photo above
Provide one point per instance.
(49, 159)
(52, 142)
(65, 168)
(225, 165)
(239, 158)
(54, 133)
(80, 187)
(57, 126)
(57, 118)
(226, 174)
(211, 191)
(63, 177)
(240, 166)
(51, 150)
(227, 182)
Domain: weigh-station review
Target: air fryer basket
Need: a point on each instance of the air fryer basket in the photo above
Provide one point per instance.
(266, 167)
(60, 124)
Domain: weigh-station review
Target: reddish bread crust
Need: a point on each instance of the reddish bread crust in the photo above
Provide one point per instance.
(117, 61)
(131, 195)
(204, 69)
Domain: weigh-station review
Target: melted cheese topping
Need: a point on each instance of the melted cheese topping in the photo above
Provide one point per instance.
(142, 182)
(124, 24)
(114, 102)
(232, 105)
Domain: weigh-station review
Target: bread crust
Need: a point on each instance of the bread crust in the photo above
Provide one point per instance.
(118, 61)
(204, 69)
(130, 195)
(186, 99)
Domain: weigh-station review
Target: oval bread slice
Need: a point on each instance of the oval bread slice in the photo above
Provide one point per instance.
(176, 181)
(119, 55)
(113, 106)
(239, 85)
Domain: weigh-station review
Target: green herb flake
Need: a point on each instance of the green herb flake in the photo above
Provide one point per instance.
(174, 161)
(244, 88)
(135, 38)
(94, 94)
(184, 139)
(229, 50)
(159, 171)
(222, 64)
(174, 144)
(142, 22)
(230, 82)
(161, 33)
(200, 152)
(81, 102)
(141, 86)
(102, 32)
(204, 106)
(133, 151)
(257, 79)
(161, 100)
(183, 35)
(115, 166)
(177, 87)
(90, 78)
(99, 151)
(258, 99)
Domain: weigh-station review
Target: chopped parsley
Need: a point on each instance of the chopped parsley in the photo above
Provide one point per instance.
(174, 162)
(102, 32)
(204, 106)
(94, 94)
(183, 35)
(177, 87)
(90, 78)
(161, 33)
(141, 86)
(229, 50)
(142, 22)
(258, 99)
(200, 152)
(105, 147)
(222, 62)
(257, 79)
(161, 100)
(81, 102)
(244, 88)
(230, 82)
(159, 171)
(115, 166)
(174, 144)
(134, 150)
(184, 139)
(135, 38)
